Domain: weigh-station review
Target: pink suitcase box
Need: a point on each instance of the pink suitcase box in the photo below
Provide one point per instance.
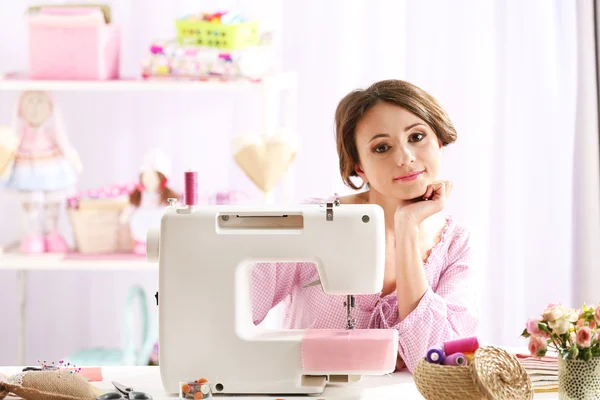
(73, 43)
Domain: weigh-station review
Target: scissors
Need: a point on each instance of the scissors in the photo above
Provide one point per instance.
(124, 392)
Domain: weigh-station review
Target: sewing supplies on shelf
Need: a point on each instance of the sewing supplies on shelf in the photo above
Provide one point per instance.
(492, 373)
(169, 59)
(225, 30)
(73, 42)
(197, 389)
(94, 215)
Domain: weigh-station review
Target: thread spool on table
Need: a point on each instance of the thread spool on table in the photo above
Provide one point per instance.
(455, 359)
(435, 355)
(464, 345)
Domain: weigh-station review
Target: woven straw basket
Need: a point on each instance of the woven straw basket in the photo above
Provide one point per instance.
(492, 374)
(97, 229)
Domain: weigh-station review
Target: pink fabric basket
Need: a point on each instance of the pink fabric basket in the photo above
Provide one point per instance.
(74, 51)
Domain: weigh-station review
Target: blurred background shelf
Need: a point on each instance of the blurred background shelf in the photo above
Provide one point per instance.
(12, 259)
(20, 81)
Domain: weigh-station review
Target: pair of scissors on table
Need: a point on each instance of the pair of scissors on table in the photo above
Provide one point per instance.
(124, 392)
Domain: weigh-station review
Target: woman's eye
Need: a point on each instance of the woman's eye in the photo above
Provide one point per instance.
(417, 137)
(381, 148)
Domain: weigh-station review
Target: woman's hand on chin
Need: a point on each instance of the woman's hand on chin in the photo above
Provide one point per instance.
(433, 201)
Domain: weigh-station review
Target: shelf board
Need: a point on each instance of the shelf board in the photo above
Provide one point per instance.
(20, 82)
(11, 259)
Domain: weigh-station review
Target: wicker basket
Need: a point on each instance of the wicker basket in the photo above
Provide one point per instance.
(97, 229)
(493, 374)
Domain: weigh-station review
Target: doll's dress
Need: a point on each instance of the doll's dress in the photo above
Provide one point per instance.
(146, 216)
(40, 164)
(41, 171)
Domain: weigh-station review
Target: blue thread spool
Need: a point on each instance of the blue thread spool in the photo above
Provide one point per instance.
(435, 355)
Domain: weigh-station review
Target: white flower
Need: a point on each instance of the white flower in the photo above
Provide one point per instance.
(560, 326)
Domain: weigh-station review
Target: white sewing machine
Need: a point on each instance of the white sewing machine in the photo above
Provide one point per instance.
(205, 256)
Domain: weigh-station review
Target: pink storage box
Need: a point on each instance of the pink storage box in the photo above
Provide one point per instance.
(73, 44)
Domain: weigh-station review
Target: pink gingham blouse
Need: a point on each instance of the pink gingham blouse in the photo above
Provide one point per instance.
(445, 312)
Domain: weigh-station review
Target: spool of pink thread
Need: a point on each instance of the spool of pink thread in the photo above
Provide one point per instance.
(464, 345)
(191, 188)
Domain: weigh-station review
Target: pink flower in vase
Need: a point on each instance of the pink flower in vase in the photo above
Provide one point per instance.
(580, 322)
(537, 346)
(584, 337)
(532, 327)
(572, 340)
(597, 315)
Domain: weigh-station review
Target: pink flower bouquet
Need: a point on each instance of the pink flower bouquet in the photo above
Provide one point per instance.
(573, 334)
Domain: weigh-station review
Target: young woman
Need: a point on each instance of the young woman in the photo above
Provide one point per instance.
(390, 137)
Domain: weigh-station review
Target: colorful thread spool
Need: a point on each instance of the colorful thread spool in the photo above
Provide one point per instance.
(455, 359)
(465, 345)
(435, 355)
(469, 357)
(191, 188)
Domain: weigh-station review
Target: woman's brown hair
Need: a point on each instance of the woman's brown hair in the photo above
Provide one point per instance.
(135, 198)
(408, 96)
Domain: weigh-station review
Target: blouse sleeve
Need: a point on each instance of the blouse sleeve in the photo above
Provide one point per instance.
(273, 282)
(443, 314)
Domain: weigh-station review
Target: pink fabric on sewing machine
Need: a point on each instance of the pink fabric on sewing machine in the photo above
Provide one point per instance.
(331, 350)
(446, 310)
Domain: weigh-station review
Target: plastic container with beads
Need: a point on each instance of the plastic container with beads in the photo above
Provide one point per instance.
(492, 374)
(217, 35)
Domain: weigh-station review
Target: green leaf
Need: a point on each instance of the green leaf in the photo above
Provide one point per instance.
(587, 354)
(542, 352)
(542, 326)
(525, 333)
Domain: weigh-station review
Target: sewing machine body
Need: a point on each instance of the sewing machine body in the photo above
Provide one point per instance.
(205, 256)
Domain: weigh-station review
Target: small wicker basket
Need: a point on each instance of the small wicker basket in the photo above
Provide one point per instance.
(492, 374)
(97, 229)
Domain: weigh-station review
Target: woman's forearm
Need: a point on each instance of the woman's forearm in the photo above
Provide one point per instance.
(411, 283)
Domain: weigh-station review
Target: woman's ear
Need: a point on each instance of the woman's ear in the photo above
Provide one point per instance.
(361, 174)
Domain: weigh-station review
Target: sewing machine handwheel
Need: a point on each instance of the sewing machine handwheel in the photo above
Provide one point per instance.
(152, 245)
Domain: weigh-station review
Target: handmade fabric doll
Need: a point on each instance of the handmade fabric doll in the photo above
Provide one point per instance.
(44, 170)
(148, 199)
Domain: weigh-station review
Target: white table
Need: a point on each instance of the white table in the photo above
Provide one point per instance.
(396, 386)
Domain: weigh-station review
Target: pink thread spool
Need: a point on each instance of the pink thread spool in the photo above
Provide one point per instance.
(191, 188)
(465, 345)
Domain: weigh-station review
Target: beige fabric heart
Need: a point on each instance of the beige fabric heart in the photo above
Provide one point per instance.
(264, 159)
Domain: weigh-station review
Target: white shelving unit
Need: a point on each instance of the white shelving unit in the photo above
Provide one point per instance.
(20, 82)
(282, 84)
(13, 260)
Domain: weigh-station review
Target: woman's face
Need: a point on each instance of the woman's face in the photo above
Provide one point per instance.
(399, 153)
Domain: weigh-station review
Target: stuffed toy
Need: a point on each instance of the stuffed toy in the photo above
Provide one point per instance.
(43, 168)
